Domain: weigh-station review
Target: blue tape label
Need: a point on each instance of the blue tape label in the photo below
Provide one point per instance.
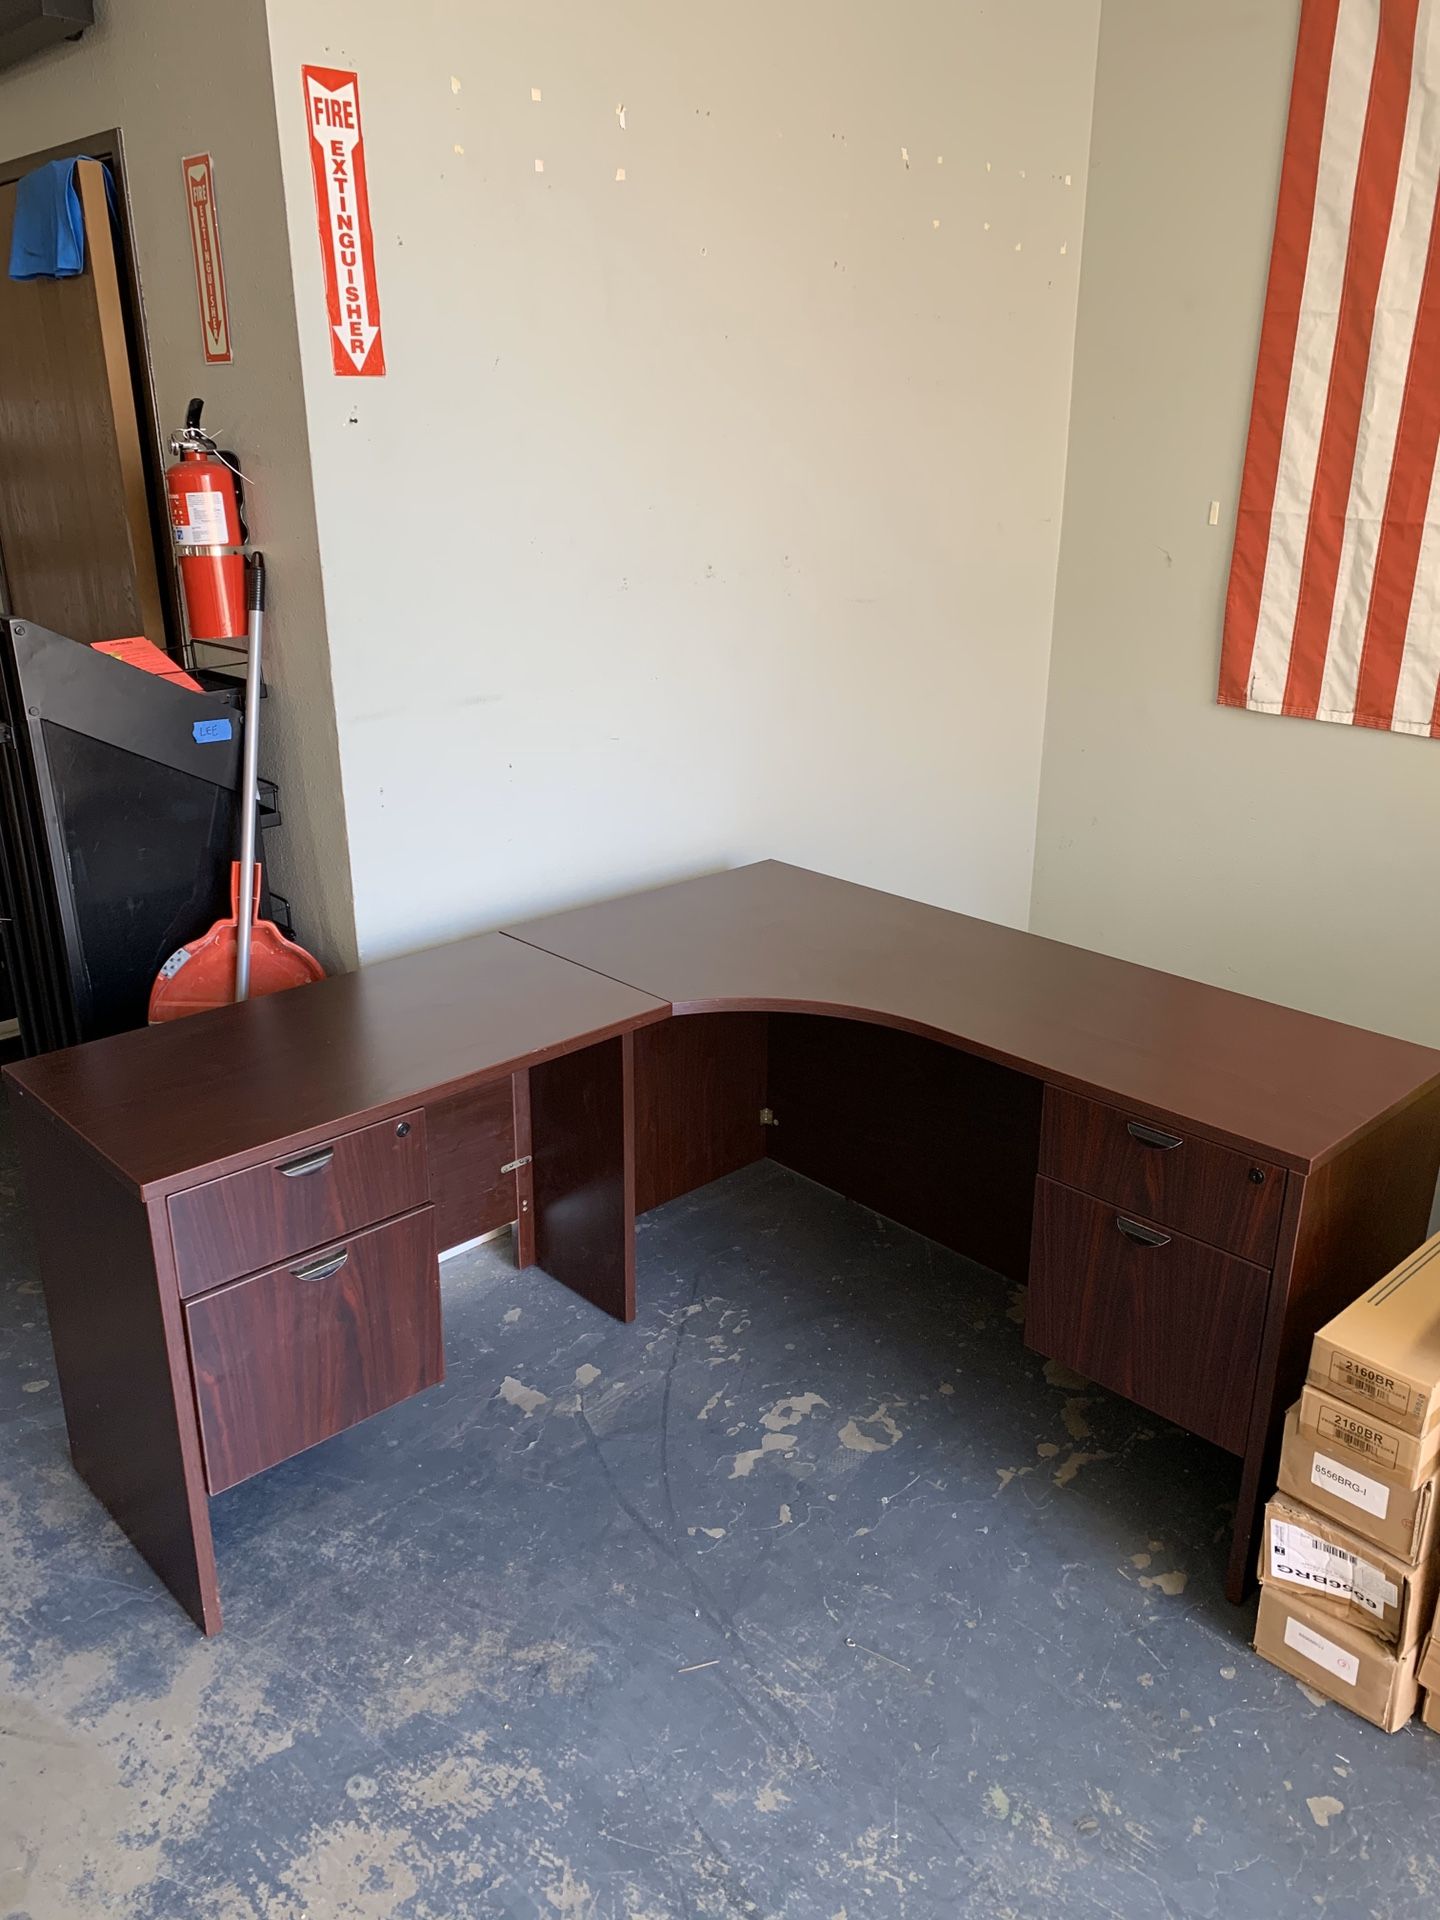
(205, 730)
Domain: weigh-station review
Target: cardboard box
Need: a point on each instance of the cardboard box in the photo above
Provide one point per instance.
(1340, 1574)
(1413, 1457)
(1429, 1678)
(1378, 1506)
(1339, 1660)
(1382, 1354)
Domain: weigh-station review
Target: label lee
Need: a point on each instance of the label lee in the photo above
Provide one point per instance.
(1301, 1558)
(1375, 1386)
(1346, 1484)
(1359, 1438)
(1324, 1653)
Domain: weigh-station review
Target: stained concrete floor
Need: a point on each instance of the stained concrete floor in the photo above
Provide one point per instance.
(812, 1594)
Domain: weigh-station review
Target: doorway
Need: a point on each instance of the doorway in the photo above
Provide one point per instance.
(83, 528)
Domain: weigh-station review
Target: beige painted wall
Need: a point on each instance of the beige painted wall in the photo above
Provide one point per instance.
(180, 79)
(1282, 857)
(712, 514)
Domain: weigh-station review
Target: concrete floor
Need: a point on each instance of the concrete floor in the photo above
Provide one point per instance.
(812, 1594)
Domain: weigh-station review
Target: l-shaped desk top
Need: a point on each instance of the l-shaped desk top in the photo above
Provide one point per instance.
(216, 1090)
(768, 937)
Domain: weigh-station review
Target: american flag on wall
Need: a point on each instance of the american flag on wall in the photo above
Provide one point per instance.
(1333, 611)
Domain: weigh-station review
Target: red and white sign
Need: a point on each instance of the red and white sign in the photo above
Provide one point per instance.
(342, 208)
(198, 171)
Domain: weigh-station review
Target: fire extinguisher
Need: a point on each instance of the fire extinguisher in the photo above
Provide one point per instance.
(208, 521)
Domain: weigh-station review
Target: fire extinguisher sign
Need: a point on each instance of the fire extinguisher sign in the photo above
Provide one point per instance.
(342, 209)
(199, 174)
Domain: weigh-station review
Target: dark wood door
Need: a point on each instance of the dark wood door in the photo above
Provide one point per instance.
(1167, 1321)
(76, 542)
(471, 1139)
(287, 1358)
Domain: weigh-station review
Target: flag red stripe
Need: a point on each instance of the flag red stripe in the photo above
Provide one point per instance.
(1294, 218)
(1402, 530)
(1379, 170)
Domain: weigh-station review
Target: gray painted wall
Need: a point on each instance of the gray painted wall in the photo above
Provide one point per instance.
(713, 513)
(183, 79)
(1286, 858)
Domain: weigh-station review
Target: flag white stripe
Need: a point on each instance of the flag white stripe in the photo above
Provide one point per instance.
(1396, 308)
(1420, 662)
(1347, 102)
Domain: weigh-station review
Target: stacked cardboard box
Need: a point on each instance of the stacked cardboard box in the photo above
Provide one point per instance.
(1429, 1678)
(1350, 1558)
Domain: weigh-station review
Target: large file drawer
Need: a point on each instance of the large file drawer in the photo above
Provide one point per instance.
(248, 1220)
(1212, 1193)
(1164, 1319)
(288, 1357)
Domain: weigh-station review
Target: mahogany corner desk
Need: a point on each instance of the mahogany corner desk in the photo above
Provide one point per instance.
(238, 1214)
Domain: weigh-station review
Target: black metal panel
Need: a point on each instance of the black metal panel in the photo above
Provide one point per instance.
(147, 851)
(118, 825)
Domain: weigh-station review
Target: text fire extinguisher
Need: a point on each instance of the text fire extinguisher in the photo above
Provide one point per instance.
(207, 520)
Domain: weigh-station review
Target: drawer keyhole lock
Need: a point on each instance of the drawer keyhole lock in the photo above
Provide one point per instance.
(404, 1128)
(1257, 1175)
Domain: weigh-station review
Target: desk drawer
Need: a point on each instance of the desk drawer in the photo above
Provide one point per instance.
(247, 1220)
(1165, 1320)
(1209, 1192)
(289, 1357)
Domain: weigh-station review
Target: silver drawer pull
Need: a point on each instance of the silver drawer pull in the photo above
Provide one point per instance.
(309, 1163)
(322, 1269)
(1153, 1136)
(1144, 1236)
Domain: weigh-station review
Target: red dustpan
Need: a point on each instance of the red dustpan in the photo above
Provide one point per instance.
(202, 975)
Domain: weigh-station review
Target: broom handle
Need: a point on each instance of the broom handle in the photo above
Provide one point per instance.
(250, 774)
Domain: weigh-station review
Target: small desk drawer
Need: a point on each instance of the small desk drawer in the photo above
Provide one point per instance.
(1210, 1192)
(1167, 1321)
(289, 1357)
(247, 1220)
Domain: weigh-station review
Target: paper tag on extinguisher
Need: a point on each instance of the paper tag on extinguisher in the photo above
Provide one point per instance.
(206, 523)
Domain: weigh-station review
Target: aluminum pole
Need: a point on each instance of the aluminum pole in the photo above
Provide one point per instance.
(250, 774)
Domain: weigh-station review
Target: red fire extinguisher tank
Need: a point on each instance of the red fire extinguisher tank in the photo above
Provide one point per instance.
(205, 518)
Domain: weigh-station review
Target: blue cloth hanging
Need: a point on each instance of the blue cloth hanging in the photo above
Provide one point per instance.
(49, 238)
